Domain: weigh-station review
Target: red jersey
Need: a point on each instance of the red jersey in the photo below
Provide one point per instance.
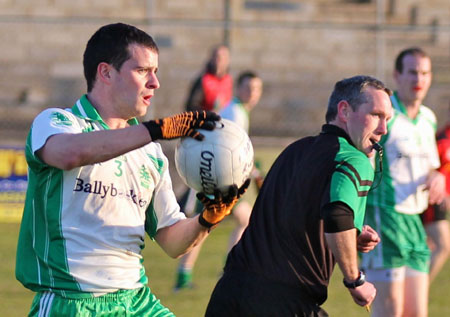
(443, 144)
(217, 91)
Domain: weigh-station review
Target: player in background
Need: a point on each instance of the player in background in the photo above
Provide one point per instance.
(309, 214)
(213, 89)
(399, 265)
(98, 182)
(249, 90)
(435, 217)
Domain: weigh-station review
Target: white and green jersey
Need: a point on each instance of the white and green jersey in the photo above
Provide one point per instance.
(236, 112)
(410, 153)
(83, 230)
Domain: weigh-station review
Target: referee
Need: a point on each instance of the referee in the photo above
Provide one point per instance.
(309, 214)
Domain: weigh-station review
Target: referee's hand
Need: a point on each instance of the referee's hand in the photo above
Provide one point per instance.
(367, 239)
(364, 295)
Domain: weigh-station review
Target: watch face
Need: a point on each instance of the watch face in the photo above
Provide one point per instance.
(358, 282)
(362, 276)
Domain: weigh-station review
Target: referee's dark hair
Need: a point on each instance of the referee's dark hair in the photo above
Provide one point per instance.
(353, 91)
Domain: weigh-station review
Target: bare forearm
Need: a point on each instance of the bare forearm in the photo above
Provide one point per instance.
(343, 246)
(67, 151)
(181, 237)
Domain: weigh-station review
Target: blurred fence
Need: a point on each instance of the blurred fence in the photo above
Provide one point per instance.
(299, 48)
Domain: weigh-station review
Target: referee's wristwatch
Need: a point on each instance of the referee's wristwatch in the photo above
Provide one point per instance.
(358, 282)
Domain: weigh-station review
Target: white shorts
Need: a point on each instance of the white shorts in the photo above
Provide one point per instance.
(397, 274)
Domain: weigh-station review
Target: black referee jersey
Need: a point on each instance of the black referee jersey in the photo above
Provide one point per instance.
(285, 241)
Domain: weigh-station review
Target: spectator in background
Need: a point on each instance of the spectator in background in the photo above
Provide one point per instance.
(213, 89)
(435, 217)
(249, 90)
(399, 265)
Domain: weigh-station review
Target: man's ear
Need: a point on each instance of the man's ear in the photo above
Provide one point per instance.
(343, 110)
(104, 72)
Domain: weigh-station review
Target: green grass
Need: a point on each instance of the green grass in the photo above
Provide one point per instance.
(15, 300)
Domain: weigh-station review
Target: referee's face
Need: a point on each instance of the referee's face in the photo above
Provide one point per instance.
(368, 123)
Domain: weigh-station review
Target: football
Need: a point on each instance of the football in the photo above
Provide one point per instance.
(223, 158)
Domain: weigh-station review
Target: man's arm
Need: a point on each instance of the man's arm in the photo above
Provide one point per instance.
(69, 150)
(181, 237)
(343, 246)
(436, 185)
(66, 151)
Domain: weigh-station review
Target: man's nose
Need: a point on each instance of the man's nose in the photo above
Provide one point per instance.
(152, 82)
(382, 126)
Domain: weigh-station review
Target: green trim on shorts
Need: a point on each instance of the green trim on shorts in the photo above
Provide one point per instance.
(137, 302)
(403, 241)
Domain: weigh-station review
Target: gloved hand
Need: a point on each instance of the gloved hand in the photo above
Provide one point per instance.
(218, 208)
(183, 124)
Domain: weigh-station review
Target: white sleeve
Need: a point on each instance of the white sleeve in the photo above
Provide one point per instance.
(50, 122)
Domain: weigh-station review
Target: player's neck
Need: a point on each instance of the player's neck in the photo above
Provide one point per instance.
(106, 111)
(412, 106)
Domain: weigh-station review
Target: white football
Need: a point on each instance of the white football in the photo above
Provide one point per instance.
(223, 158)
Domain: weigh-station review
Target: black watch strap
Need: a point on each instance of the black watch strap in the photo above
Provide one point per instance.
(358, 282)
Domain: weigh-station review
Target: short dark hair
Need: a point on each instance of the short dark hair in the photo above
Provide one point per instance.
(409, 51)
(109, 44)
(244, 75)
(353, 91)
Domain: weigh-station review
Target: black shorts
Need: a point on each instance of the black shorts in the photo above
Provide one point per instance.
(434, 213)
(247, 294)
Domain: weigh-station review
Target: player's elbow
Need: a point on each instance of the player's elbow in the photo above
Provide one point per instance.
(61, 151)
(72, 159)
(174, 253)
(177, 255)
(68, 165)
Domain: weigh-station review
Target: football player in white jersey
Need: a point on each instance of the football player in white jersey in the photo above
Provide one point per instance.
(399, 265)
(98, 182)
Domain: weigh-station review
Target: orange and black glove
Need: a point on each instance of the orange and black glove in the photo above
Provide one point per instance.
(183, 124)
(218, 208)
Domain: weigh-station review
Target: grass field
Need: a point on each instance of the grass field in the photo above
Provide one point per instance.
(15, 300)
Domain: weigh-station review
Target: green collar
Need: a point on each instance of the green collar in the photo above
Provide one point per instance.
(400, 107)
(84, 109)
(238, 102)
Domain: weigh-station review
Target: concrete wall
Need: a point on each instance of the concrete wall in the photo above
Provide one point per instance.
(300, 48)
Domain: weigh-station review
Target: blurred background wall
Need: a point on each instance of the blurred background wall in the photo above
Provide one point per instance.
(299, 47)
